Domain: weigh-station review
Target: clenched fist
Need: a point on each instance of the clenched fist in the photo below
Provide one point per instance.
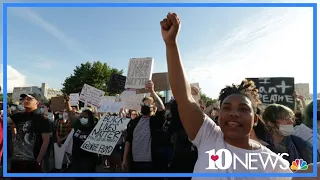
(170, 27)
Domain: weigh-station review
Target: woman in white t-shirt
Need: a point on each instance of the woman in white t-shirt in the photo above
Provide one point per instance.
(237, 117)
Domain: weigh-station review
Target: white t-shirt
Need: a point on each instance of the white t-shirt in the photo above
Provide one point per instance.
(210, 137)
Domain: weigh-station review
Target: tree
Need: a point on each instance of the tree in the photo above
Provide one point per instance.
(96, 74)
(209, 101)
(9, 97)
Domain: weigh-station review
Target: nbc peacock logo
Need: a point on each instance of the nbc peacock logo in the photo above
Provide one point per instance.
(299, 164)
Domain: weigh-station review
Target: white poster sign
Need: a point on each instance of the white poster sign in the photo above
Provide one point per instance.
(91, 95)
(60, 151)
(139, 72)
(132, 100)
(74, 99)
(105, 135)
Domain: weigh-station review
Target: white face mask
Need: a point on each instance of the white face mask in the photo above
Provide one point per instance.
(13, 108)
(286, 130)
(84, 121)
(167, 112)
(21, 108)
(65, 116)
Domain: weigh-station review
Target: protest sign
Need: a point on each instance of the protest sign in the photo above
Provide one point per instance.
(74, 99)
(139, 72)
(116, 83)
(108, 104)
(58, 103)
(306, 134)
(161, 81)
(91, 95)
(132, 100)
(60, 151)
(105, 135)
(275, 90)
(195, 92)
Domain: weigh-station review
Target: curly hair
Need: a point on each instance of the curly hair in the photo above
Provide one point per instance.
(246, 88)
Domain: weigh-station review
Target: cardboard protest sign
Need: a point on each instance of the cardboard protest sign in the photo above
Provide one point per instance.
(116, 83)
(139, 72)
(275, 90)
(161, 81)
(74, 99)
(108, 104)
(306, 134)
(58, 103)
(91, 95)
(105, 135)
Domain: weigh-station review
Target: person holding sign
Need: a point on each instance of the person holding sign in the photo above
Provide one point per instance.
(142, 135)
(237, 116)
(82, 161)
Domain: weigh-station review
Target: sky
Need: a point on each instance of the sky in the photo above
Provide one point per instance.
(218, 46)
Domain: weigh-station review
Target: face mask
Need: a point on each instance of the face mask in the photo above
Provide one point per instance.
(13, 108)
(41, 110)
(167, 112)
(60, 116)
(84, 121)
(286, 130)
(50, 117)
(21, 108)
(145, 110)
(65, 116)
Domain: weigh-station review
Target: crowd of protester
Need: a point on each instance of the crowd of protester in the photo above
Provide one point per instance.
(170, 137)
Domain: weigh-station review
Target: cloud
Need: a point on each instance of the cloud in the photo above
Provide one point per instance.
(36, 19)
(275, 43)
(14, 78)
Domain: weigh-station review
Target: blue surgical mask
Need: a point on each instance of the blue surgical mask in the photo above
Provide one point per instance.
(41, 110)
(50, 117)
(21, 108)
(13, 108)
(60, 116)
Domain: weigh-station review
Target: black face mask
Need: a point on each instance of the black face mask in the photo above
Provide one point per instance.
(145, 110)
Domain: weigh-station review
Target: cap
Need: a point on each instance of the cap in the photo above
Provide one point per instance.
(22, 96)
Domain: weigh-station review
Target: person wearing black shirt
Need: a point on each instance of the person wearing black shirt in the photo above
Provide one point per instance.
(83, 161)
(32, 138)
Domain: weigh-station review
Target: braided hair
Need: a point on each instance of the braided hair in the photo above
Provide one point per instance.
(246, 88)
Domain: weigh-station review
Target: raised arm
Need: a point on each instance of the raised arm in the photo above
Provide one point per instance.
(191, 115)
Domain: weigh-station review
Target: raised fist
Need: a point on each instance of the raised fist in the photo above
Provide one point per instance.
(170, 27)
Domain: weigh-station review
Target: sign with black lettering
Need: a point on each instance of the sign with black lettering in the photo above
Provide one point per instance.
(116, 83)
(276, 90)
(105, 135)
(139, 72)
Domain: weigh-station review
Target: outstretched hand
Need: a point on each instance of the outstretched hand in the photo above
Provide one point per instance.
(170, 27)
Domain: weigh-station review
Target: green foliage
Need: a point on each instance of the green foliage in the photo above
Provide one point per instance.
(9, 98)
(96, 74)
(209, 101)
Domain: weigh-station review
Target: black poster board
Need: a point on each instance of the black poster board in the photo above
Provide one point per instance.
(116, 83)
(276, 90)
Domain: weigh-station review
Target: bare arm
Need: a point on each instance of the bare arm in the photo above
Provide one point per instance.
(191, 115)
(158, 101)
(69, 110)
(10, 121)
(44, 146)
